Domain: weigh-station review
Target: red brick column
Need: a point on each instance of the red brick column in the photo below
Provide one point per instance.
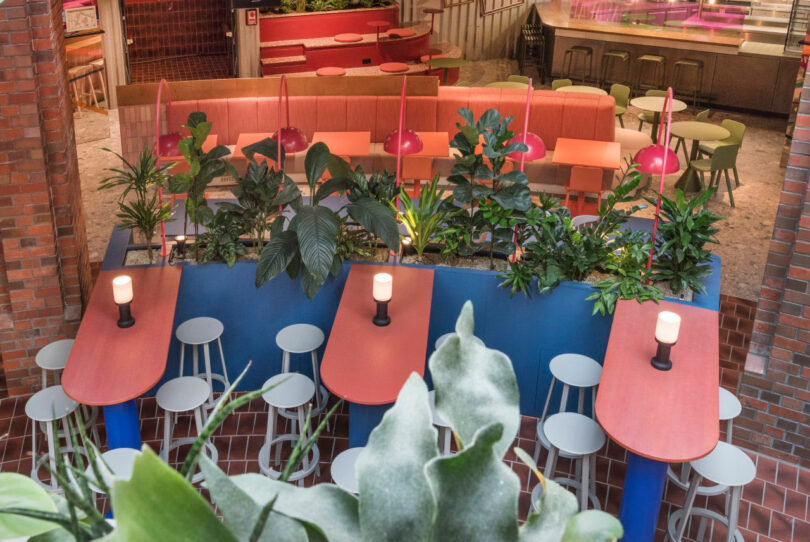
(775, 387)
(44, 270)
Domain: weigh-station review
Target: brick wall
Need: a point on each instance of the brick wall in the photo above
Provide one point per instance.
(44, 270)
(775, 387)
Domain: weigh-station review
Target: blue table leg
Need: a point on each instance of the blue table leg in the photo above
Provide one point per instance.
(123, 425)
(362, 419)
(641, 498)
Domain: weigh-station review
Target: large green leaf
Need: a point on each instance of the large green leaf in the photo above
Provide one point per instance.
(18, 491)
(331, 186)
(317, 229)
(315, 164)
(556, 507)
(266, 147)
(475, 386)
(276, 256)
(310, 283)
(241, 511)
(593, 526)
(376, 218)
(157, 503)
(514, 196)
(477, 493)
(396, 502)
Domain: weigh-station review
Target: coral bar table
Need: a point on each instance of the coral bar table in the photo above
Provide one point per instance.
(587, 152)
(345, 143)
(366, 364)
(110, 366)
(659, 417)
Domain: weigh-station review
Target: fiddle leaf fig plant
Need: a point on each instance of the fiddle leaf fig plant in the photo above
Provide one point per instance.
(309, 244)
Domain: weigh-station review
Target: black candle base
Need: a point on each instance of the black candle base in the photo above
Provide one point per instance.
(125, 318)
(381, 318)
(661, 360)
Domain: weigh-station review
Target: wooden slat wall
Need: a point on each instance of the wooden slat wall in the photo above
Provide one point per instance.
(478, 37)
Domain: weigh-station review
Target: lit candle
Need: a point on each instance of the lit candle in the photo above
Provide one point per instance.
(383, 287)
(667, 327)
(122, 289)
(180, 239)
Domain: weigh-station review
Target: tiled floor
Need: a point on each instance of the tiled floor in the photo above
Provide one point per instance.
(774, 507)
(184, 68)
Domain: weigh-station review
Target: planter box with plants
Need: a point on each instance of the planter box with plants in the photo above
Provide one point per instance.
(532, 308)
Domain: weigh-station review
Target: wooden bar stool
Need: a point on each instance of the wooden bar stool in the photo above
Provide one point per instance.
(608, 64)
(303, 339)
(203, 331)
(344, 470)
(184, 394)
(291, 391)
(578, 52)
(79, 85)
(681, 69)
(102, 76)
(658, 64)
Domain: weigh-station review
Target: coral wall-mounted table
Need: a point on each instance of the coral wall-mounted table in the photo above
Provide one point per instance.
(659, 417)
(111, 367)
(367, 364)
(588, 153)
(345, 143)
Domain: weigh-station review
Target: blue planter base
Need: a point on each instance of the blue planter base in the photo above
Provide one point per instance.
(641, 498)
(123, 426)
(362, 419)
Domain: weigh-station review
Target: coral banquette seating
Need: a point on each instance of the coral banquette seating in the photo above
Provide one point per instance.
(553, 115)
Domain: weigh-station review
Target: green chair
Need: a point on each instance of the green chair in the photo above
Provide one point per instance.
(680, 142)
(518, 79)
(737, 131)
(723, 159)
(649, 116)
(620, 93)
(559, 83)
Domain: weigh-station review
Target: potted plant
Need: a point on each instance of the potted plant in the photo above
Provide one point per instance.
(143, 212)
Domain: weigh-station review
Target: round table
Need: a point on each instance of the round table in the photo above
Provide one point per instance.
(696, 131)
(432, 12)
(507, 84)
(446, 64)
(656, 105)
(582, 89)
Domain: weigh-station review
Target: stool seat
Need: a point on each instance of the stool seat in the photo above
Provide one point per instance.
(581, 49)
(574, 433)
(348, 37)
(183, 394)
(330, 71)
(615, 53)
(730, 406)
(97, 63)
(437, 419)
(53, 357)
(692, 62)
(199, 330)
(726, 465)
(292, 390)
(443, 339)
(400, 32)
(576, 370)
(433, 10)
(117, 464)
(393, 67)
(300, 338)
(651, 58)
(49, 404)
(75, 71)
(344, 471)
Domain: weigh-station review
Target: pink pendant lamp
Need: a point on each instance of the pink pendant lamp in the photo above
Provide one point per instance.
(290, 137)
(659, 160)
(165, 145)
(402, 141)
(536, 148)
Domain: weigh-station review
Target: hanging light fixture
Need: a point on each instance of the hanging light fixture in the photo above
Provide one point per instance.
(402, 141)
(290, 137)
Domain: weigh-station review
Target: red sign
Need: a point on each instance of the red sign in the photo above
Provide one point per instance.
(251, 17)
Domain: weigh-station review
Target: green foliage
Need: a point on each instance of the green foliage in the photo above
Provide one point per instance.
(143, 212)
(203, 166)
(310, 246)
(221, 240)
(683, 232)
(424, 219)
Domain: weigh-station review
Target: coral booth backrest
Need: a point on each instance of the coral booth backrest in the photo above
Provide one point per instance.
(553, 114)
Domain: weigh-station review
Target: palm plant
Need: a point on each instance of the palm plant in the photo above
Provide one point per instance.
(144, 211)
(423, 220)
(309, 245)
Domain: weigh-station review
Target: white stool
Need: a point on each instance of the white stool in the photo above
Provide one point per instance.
(730, 408)
(443, 339)
(49, 406)
(52, 358)
(573, 370)
(183, 394)
(203, 331)
(579, 437)
(444, 428)
(344, 471)
(102, 75)
(293, 391)
(726, 466)
(113, 464)
(303, 339)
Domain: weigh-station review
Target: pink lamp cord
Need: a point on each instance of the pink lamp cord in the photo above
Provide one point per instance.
(523, 154)
(162, 83)
(668, 111)
(399, 133)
